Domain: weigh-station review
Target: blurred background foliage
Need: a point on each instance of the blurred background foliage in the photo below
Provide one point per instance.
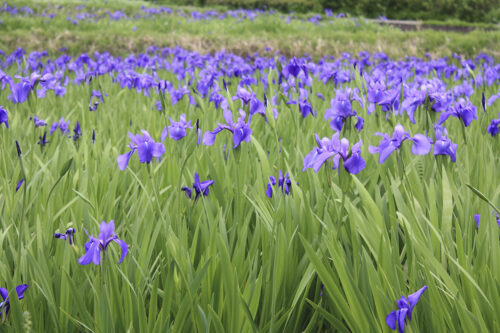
(487, 11)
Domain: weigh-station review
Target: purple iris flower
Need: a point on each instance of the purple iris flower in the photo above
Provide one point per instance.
(54, 127)
(337, 149)
(179, 94)
(244, 95)
(284, 183)
(293, 67)
(464, 89)
(390, 101)
(443, 145)
(77, 132)
(200, 188)
(96, 96)
(69, 235)
(49, 81)
(360, 123)
(256, 106)
(241, 130)
(18, 148)
(463, 109)
(43, 139)
(412, 101)
(477, 217)
(177, 130)
(95, 246)
(21, 90)
(305, 106)
(145, 146)
(269, 189)
(216, 98)
(61, 124)
(341, 108)
(5, 305)
(405, 307)
(421, 143)
(494, 127)
(18, 186)
(38, 122)
(442, 100)
(4, 118)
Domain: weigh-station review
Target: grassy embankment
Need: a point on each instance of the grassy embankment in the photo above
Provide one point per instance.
(329, 37)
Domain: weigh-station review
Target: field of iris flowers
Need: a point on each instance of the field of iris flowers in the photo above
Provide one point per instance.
(176, 191)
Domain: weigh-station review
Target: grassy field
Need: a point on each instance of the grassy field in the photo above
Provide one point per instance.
(332, 255)
(330, 36)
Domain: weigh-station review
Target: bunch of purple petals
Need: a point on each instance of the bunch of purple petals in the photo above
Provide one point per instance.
(5, 304)
(341, 109)
(463, 110)
(21, 90)
(336, 149)
(177, 129)
(494, 127)
(284, 182)
(68, 235)
(38, 122)
(421, 143)
(145, 146)
(199, 188)
(241, 129)
(95, 97)
(95, 246)
(443, 145)
(61, 125)
(398, 317)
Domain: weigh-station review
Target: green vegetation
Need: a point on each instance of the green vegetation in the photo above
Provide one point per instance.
(237, 259)
(465, 10)
(244, 37)
(334, 255)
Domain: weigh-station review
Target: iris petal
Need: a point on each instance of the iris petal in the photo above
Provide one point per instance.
(20, 290)
(413, 299)
(124, 247)
(123, 160)
(421, 145)
(391, 319)
(4, 293)
(92, 254)
(269, 191)
(355, 164)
